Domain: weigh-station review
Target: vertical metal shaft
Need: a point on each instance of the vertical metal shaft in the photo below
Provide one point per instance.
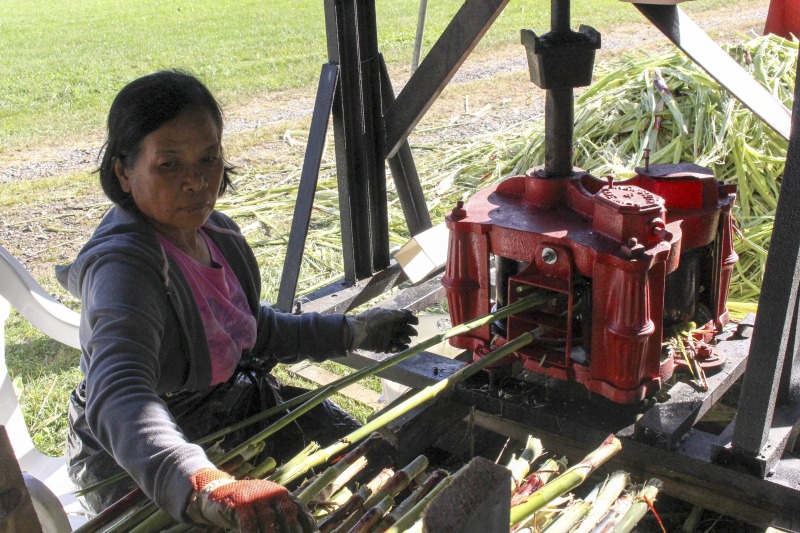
(559, 15)
(558, 130)
(558, 111)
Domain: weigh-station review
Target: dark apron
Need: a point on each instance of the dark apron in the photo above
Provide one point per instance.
(199, 414)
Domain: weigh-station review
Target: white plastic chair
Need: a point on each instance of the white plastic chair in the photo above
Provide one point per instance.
(45, 476)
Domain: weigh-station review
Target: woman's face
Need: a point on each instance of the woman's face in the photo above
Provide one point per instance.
(176, 178)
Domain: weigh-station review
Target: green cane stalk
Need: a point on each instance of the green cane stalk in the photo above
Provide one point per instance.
(611, 490)
(286, 475)
(569, 517)
(644, 500)
(324, 393)
(407, 520)
(567, 481)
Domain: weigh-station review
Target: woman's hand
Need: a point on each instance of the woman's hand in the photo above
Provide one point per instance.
(251, 506)
(382, 330)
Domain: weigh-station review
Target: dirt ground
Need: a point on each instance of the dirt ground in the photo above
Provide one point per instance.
(491, 89)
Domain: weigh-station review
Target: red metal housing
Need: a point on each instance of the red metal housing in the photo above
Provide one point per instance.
(612, 264)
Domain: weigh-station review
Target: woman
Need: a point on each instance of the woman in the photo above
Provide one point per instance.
(171, 323)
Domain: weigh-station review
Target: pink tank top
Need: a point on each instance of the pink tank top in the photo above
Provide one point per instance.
(229, 324)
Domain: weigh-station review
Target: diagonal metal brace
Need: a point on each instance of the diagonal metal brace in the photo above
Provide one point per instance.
(695, 43)
(439, 66)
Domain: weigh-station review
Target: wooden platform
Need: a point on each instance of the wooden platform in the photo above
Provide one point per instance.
(322, 377)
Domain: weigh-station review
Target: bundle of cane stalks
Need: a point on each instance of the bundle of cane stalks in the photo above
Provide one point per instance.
(352, 496)
(541, 497)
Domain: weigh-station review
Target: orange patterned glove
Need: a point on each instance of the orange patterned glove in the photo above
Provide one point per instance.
(251, 506)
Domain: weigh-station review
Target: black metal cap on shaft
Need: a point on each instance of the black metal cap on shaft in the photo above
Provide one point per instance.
(559, 61)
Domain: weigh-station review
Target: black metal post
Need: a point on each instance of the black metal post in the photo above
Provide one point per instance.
(559, 15)
(308, 186)
(558, 62)
(358, 131)
(404, 172)
(773, 344)
(558, 130)
(559, 110)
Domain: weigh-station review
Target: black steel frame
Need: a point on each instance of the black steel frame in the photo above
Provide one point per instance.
(371, 125)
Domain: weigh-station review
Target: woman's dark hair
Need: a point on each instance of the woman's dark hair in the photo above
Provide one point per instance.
(140, 108)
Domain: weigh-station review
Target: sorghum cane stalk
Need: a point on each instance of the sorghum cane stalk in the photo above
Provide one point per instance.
(567, 481)
(399, 481)
(320, 395)
(569, 517)
(407, 520)
(373, 515)
(331, 473)
(337, 517)
(640, 506)
(403, 507)
(611, 490)
(520, 466)
(285, 475)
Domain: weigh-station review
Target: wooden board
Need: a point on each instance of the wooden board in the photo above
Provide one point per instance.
(321, 376)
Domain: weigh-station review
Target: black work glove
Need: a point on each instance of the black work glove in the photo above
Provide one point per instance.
(382, 330)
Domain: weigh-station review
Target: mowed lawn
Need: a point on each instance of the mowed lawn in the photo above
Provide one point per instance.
(61, 62)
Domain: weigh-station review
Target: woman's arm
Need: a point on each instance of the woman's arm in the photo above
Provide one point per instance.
(289, 338)
(125, 313)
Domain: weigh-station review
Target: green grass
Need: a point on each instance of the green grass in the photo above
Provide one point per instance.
(46, 371)
(63, 62)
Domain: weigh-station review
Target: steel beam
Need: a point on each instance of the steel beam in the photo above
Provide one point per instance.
(409, 191)
(439, 66)
(789, 391)
(404, 172)
(681, 30)
(359, 134)
(309, 177)
(772, 335)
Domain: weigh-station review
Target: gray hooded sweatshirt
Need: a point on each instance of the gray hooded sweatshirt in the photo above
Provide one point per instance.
(142, 337)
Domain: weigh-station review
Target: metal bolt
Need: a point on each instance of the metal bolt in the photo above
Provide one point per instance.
(549, 256)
